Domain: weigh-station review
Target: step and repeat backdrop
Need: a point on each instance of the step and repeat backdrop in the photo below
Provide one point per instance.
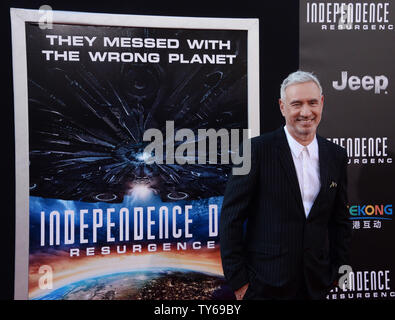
(95, 218)
(350, 46)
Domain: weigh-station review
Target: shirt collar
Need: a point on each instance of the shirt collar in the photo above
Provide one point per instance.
(296, 147)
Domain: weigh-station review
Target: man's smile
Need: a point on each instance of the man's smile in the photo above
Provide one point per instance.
(305, 121)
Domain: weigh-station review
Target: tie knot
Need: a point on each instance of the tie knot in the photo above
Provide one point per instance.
(305, 152)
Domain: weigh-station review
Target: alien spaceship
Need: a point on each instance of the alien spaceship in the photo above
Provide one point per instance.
(87, 121)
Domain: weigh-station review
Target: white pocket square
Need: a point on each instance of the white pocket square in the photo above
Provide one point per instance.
(333, 184)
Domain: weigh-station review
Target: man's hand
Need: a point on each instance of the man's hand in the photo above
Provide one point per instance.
(241, 292)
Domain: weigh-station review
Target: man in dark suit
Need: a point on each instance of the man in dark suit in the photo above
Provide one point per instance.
(284, 230)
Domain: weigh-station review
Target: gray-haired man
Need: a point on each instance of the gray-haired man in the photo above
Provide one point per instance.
(294, 203)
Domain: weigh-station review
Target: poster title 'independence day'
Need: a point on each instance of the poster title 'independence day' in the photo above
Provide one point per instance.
(149, 223)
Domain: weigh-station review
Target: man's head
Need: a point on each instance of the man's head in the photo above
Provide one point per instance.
(301, 105)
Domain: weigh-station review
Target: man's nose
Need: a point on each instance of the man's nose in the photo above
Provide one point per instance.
(305, 111)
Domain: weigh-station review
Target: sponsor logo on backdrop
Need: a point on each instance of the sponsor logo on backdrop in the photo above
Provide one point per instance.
(354, 15)
(375, 84)
(365, 150)
(373, 284)
(370, 216)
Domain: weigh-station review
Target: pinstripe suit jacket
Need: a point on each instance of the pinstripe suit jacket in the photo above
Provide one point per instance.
(266, 239)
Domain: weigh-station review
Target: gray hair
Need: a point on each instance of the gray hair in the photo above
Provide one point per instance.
(298, 77)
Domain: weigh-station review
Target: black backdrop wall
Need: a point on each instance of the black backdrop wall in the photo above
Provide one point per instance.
(279, 55)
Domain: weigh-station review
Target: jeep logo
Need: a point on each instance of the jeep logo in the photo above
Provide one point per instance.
(378, 83)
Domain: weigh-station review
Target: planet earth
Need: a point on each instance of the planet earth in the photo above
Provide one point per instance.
(148, 284)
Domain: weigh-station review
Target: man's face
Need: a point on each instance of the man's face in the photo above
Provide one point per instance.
(302, 109)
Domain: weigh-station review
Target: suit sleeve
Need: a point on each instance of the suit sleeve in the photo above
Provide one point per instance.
(234, 212)
(339, 224)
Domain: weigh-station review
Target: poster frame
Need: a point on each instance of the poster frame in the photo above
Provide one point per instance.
(19, 63)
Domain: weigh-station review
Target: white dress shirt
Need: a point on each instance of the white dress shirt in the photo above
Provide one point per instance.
(307, 169)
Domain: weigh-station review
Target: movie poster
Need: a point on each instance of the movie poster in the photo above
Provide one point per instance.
(105, 222)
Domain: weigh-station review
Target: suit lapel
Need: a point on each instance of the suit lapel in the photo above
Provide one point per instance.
(289, 168)
(324, 158)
